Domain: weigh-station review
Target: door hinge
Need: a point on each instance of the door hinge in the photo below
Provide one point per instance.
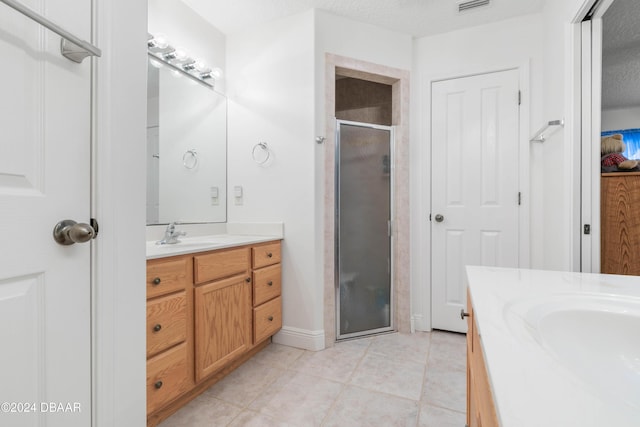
(94, 223)
(389, 228)
(587, 229)
(519, 97)
(519, 198)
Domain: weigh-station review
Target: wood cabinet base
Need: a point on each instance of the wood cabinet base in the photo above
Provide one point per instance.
(206, 315)
(164, 413)
(481, 410)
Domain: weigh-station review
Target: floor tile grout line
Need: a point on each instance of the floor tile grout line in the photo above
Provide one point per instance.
(283, 362)
(333, 404)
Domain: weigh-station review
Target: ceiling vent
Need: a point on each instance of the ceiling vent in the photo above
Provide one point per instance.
(466, 5)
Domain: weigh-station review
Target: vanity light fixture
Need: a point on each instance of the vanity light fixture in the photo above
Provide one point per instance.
(176, 58)
(188, 66)
(168, 56)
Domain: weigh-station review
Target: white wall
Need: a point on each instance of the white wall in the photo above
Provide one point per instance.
(621, 118)
(507, 44)
(271, 99)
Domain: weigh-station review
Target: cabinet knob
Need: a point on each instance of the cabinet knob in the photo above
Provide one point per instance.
(463, 314)
(270, 318)
(158, 385)
(270, 283)
(156, 281)
(157, 327)
(248, 280)
(269, 254)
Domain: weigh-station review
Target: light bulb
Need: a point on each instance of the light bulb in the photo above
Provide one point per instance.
(201, 66)
(159, 41)
(181, 54)
(216, 73)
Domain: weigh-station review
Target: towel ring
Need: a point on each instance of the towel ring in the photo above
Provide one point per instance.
(265, 148)
(190, 159)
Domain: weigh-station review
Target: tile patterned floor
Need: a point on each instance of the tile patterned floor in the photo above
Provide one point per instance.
(387, 380)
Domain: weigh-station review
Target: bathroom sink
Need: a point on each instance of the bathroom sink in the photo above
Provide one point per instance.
(596, 337)
(197, 242)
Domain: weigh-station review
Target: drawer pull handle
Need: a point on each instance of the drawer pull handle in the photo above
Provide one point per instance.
(463, 314)
(156, 281)
(248, 280)
(270, 318)
(158, 385)
(270, 283)
(157, 327)
(269, 254)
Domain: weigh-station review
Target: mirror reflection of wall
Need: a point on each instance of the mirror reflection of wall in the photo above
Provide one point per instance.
(186, 149)
(621, 73)
(184, 115)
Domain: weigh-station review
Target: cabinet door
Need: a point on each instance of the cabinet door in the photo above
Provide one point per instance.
(620, 225)
(223, 317)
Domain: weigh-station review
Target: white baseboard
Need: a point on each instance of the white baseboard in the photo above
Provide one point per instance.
(419, 323)
(300, 338)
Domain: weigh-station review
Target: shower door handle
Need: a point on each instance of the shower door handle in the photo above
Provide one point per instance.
(439, 218)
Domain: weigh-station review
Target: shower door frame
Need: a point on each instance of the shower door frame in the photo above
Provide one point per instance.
(391, 327)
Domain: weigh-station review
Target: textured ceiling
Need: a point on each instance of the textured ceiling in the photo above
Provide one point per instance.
(621, 55)
(415, 17)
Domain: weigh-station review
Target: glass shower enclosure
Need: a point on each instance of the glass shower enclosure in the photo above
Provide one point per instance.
(364, 174)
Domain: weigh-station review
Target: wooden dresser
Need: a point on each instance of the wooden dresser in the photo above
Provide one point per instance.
(207, 313)
(620, 223)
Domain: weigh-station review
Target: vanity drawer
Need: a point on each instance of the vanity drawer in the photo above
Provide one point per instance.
(166, 322)
(221, 264)
(167, 377)
(267, 284)
(265, 255)
(167, 276)
(267, 319)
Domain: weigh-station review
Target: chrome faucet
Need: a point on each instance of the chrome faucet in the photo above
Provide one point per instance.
(171, 235)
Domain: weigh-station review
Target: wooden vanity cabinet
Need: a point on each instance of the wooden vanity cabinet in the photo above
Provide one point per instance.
(222, 309)
(480, 407)
(267, 287)
(207, 313)
(169, 330)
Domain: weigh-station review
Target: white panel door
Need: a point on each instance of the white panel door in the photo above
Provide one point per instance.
(474, 194)
(45, 324)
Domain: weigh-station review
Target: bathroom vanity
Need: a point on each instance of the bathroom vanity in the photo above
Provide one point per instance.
(212, 303)
(551, 348)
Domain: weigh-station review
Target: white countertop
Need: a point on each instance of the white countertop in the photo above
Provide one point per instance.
(533, 386)
(189, 245)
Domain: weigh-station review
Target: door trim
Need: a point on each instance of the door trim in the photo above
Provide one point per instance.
(400, 81)
(421, 316)
(118, 255)
(589, 104)
(336, 249)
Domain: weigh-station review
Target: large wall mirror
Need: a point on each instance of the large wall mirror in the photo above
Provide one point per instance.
(186, 148)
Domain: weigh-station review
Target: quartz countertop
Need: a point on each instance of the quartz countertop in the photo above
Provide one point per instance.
(533, 383)
(189, 245)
